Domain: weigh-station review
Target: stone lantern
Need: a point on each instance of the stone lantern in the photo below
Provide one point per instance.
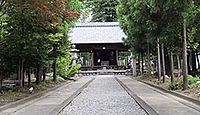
(74, 54)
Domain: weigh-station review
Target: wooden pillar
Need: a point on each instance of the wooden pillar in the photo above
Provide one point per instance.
(92, 58)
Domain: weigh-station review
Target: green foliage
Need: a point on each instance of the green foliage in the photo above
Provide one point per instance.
(75, 5)
(193, 80)
(3, 25)
(124, 55)
(102, 10)
(192, 38)
(85, 12)
(192, 16)
(144, 21)
(147, 21)
(85, 56)
(176, 85)
(25, 39)
(72, 70)
(64, 64)
(134, 19)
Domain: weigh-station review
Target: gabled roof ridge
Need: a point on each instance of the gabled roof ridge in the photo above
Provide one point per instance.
(97, 32)
(98, 24)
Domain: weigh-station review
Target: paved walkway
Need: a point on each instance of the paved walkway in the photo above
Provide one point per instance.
(104, 96)
(163, 103)
(49, 103)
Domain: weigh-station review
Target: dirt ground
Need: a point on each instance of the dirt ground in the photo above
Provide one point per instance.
(193, 91)
(16, 93)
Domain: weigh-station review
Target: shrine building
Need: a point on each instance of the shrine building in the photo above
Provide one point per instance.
(100, 44)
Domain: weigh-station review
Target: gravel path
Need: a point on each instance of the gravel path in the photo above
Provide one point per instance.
(104, 96)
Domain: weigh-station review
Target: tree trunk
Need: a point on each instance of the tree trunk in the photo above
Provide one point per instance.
(159, 60)
(194, 64)
(20, 73)
(185, 64)
(172, 67)
(44, 74)
(29, 78)
(148, 61)
(54, 70)
(23, 76)
(163, 62)
(1, 83)
(35, 73)
(134, 67)
(197, 56)
(189, 62)
(139, 67)
(167, 63)
(1, 80)
(38, 77)
(179, 65)
(142, 63)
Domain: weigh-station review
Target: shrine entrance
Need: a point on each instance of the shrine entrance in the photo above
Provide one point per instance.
(105, 57)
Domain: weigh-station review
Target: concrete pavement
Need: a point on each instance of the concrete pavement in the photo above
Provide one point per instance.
(162, 102)
(50, 103)
(103, 95)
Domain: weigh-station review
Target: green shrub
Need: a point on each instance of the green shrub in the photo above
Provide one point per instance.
(63, 65)
(193, 80)
(176, 85)
(73, 70)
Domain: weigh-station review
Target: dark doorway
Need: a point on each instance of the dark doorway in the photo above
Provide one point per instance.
(105, 55)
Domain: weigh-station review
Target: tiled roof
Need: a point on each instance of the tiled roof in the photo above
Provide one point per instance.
(97, 32)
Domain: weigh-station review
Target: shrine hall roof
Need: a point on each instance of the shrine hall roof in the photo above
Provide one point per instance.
(97, 32)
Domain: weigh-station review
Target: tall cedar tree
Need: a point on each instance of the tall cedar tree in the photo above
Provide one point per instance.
(102, 10)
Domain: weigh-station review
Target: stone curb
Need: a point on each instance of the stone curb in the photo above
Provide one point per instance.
(60, 107)
(31, 97)
(149, 110)
(190, 99)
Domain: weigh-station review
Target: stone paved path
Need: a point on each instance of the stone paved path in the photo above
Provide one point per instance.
(162, 102)
(46, 104)
(104, 96)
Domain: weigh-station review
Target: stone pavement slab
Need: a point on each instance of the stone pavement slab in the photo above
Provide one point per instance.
(104, 96)
(163, 103)
(49, 102)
